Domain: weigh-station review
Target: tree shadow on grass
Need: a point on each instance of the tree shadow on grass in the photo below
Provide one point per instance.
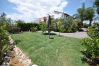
(48, 34)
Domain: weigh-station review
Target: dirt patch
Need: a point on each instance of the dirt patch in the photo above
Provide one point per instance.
(15, 62)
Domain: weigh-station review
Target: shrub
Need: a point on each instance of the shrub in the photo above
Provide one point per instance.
(70, 24)
(77, 24)
(4, 43)
(43, 26)
(85, 25)
(14, 29)
(91, 45)
(93, 31)
(91, 50)
(34, 29)
(5, 25)
(60, 26)
(27, 26)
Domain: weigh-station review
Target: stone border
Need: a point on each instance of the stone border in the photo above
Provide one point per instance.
(22, 57)
(25, 60)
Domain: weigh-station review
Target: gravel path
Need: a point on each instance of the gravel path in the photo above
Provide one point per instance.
(80, 35)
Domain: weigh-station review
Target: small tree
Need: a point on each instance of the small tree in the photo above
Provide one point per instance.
(70, 25)
(60, 25)
(77, 24)
(5, 22)
(43, 26)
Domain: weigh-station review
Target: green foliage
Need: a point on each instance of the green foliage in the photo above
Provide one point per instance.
(85, 14)
(77, 23)
(14, 29)
(70, 25)
(60, 26)
(57, 25)
(43, 26)
(4, 22)
(91, 45)
(54, 26)
(97, 6)
(26, 26)
(34, 29)
(61, 51)
(93, 31)
(4, 43)
(89, 14)
(81, 13)
(85, 25)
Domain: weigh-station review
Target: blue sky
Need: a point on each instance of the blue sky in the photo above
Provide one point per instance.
(31, 9)
(73, 5)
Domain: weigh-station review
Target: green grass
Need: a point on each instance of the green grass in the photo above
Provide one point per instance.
(60, 51)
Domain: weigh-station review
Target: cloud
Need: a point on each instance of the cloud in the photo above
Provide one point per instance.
(28, 10)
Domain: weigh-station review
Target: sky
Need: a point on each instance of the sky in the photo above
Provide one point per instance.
(29, 10)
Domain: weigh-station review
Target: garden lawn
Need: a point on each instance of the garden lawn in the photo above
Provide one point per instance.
(60, 51)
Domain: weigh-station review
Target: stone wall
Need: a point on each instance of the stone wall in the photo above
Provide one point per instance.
(25, 60)
(22, 57)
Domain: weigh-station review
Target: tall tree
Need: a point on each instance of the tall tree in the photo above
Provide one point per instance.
(81, 12)
(89, 13)
(97, 6)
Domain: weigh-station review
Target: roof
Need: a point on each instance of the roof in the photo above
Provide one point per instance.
(57, 12)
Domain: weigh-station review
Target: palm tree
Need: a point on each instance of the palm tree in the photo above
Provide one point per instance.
(81, 13)
(89, 12)
(76, 16)
(97, 6)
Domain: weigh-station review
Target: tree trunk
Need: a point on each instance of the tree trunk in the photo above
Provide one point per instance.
(81, 23)
(90, 22)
